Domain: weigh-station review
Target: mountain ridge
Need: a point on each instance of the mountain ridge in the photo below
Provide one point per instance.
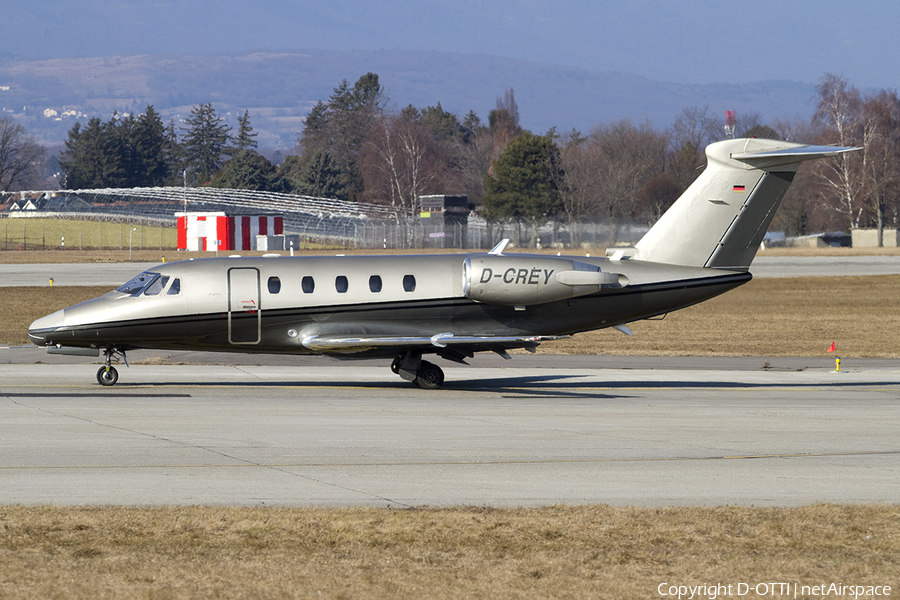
(279, 88)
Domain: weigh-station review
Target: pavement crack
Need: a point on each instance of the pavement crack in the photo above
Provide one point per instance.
(219, 453)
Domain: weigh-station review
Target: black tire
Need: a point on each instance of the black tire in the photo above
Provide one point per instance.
(107, 376)
(430, 376)
(395, 366)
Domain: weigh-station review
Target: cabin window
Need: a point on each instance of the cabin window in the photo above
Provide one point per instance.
(157, 286)
(340, 284)
(137, 284)
(274, 285)
(409, 283)
(375, 284)
(308, 284)
(175, 288)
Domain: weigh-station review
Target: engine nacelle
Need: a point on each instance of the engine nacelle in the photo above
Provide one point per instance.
(526, 280)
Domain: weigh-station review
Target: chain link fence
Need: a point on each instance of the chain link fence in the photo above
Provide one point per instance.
(146, 218)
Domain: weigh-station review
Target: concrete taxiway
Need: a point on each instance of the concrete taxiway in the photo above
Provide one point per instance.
(526, 432)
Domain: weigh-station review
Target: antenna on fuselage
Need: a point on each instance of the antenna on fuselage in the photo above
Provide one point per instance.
(499, 248)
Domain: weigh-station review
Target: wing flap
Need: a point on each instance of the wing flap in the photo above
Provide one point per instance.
(327, 344)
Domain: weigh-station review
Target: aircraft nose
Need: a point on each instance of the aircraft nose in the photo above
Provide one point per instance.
(39, 332)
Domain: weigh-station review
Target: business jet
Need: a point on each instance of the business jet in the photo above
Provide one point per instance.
(405, 308)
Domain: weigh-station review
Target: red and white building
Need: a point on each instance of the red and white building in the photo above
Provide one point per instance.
(209, 231)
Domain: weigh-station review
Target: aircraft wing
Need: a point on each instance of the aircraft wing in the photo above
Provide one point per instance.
(332, 344)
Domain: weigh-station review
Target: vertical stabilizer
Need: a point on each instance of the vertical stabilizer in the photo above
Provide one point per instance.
(721, 219)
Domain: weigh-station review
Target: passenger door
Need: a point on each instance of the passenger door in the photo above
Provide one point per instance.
(244, 317)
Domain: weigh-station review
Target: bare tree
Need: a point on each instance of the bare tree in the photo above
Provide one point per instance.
(685, 164)
(838, 112)
(400, 162)
(696, 126)
(579, 182)
(800, 209)
(796, 130)
(474, 162)
(656, 196)
(747, 123)
(504, 122)
(21, 157)
(625, 157)
(880, 123)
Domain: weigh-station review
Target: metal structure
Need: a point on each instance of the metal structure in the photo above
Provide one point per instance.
(730, 123)
(317, 221)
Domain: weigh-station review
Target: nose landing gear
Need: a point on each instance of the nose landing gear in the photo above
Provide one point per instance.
(107, 375)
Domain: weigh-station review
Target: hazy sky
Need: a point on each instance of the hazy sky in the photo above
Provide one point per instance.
(691, 41)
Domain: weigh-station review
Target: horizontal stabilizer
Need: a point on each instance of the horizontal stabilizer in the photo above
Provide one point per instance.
(788, 156)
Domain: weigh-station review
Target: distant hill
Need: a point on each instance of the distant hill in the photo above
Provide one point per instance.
(278, 89)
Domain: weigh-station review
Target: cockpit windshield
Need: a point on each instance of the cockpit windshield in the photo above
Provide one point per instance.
(157, 286)
(137, 284)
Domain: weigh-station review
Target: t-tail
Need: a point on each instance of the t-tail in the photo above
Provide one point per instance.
(721, 219)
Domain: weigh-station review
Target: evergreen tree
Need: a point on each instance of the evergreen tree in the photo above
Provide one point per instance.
(113, 153)
(86, 159)
(122, 152)
(445, 126)
(245, 138)
(247, 170)
(173, 156)
(319, 178)
(205, 142)
(341, 126)
(472, 125)
(523, 186)
(149, 144)
(72, 163)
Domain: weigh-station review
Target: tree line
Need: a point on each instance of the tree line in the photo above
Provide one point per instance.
(354, 147)
(860, 188)
(141, 151)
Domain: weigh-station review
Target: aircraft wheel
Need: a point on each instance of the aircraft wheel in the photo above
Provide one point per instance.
(107, 376)
(395, 366)
(429, 376)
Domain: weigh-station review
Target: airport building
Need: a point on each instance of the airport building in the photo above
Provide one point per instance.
(209, 231)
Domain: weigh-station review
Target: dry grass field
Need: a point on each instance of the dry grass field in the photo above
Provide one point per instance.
(20, 306)
(65, 235)
(767, 317)
(550, 552)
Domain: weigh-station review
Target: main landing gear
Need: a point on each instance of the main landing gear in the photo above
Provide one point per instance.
(107, 374)
(422, 373)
